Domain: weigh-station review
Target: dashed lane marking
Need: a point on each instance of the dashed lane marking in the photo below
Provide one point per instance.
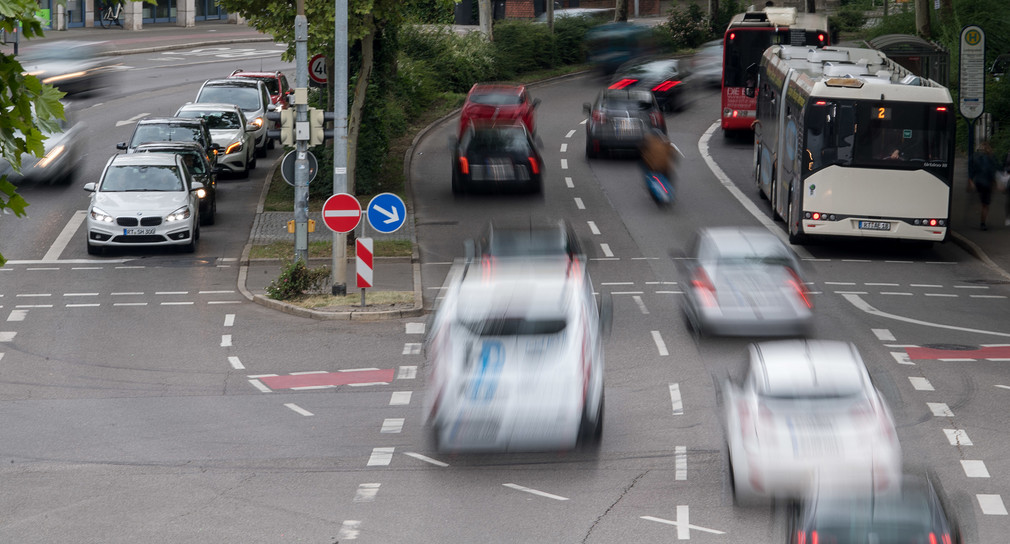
(400, 398)
(957, 437)
(298, 409)
(380, 457)
(974, 469)
(426, 459)
(991, 505)
(366, 493)
(920, 384)
(536, 492)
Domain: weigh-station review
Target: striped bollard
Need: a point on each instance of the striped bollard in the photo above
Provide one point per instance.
(363, 256)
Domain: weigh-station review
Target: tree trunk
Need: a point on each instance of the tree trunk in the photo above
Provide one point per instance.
(621, 13)
(358, 104)
(811, 6)
(922, 18)
(946, 10)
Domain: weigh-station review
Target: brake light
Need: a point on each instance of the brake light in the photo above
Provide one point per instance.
(704, 287)
(665, 86)
(801, 537)
(820, 103)
(820, 38)
(599, 116)
(622, 83)
(797, 284)
(464, 165)
(732, 36)
(941, 108)
(534, 166)
(657, 119)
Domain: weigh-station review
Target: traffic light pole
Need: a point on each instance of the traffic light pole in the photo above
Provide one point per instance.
(338, 270)
(301, 135)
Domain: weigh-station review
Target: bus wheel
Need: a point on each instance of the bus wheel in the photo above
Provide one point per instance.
(773, 198)
(757, 180)
(793, 222)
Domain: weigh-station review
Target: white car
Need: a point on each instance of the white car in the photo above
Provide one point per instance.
(144, 199)
(805, 408)
(228, 129)
(515, 352)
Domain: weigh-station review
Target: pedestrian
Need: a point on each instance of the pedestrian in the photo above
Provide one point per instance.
(983, 178)
(658, 155)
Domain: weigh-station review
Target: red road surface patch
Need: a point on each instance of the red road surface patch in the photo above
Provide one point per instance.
(998, 352)
(328, 379)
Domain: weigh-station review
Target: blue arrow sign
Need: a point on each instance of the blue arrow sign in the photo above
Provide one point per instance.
(386, 213)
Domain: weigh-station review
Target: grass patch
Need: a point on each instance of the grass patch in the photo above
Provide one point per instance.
(372, 298)
(283, 251)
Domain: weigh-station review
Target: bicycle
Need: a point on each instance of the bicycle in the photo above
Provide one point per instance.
(112, 14)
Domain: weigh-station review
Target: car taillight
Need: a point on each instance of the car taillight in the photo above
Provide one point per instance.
(657, 119)
(801, 537)
(704, 287)
(799, 287)
(665, 86)
(464, 165)
(599, 116)
(534, 166)
(620, 84)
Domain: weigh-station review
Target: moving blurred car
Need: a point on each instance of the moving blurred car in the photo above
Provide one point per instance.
(1000, 66)
(917, 512)
(144, 199)
(612, 44)
(228, 130)
(803, 409)
(516, 358)
(706, 64)
(669, 80)
(745, 281)
(250, 95)
(584, 13)
(620, 119)
(496, 156)
(196, 159)
(536, 237)
(69, 65)
(59, 164)
(498, 102)
(172, 129)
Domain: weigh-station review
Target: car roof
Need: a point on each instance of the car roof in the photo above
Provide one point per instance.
(497, 87)
(741, 241)
(144, 159)
(626, 94)
(532, 288)
(175, 144)
(233, 82)
(808, 368)
(170, 121)
(200, 106)
(247, 73)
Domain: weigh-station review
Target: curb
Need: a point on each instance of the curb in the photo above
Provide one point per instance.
(170, 47)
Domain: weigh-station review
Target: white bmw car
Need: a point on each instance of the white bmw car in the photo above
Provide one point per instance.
(144, 199)
(516, 357)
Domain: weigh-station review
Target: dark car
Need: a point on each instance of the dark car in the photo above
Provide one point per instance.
(612, 44)
(494, 156)
(668, 79)
(172, 129)
(71, 66)
(198, 161)
(914, 512)
(498, 102)
(620, 119)
(535, 237)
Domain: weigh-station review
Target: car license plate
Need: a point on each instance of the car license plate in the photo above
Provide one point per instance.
(139, 232)
(626, 128)
(874, 225)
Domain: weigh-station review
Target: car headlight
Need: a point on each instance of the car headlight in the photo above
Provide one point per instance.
(233, 148)
(257, 122)
(51, 156)
(201, 193)
(99, 215)
(181, 214)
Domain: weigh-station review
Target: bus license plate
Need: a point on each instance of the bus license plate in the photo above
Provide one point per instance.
(138, 232)
(874, 225)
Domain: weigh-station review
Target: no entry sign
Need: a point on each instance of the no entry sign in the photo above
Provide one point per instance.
(342, 212)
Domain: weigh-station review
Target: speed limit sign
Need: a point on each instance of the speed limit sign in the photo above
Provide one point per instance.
(317, 69)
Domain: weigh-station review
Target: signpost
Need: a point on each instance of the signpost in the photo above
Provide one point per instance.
(971, 95)
(386, 213)
(342, 213)
(363, 259)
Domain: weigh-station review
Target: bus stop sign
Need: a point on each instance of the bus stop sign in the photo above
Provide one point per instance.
(971, 98)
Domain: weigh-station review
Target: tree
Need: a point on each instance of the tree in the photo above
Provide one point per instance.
(30, 108)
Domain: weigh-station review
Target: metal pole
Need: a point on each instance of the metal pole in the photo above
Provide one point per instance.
(338, 269)
(301, 137)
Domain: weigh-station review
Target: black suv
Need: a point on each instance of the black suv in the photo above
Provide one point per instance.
(172, 129)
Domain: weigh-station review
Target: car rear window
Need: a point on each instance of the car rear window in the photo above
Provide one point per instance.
(483, 141)
(216, 120)
(627, 105)
(165, 133)
(515, 326)
(496, 99)
(246, 98)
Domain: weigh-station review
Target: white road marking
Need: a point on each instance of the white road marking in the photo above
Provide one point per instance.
(974, 469)
(171, 292)
(971, 287)
(129, 304)
(229, 320)
(884, 335)
(570, 133)
(862, 305)
(617, 283)
(893, 293)
(85, 267)
(564, 148)
(380, 457)
(34, 295)
(1003, 386)
(564, 164)
(626, 293)
(224, 302)
(127, 294)
(947, 295)
(986, 296)
(260, 385)
(80, 294)
(426, 459)
(675, 399)
(920, 384)
(518, 487)
(177, 303)
(844, 293)
(407, 373)
(235, 363)
(940, 409)
(400, 398)
(839, 283)
(660, 345)
(415, 328)
(856, 261)
(991, 505)
(579, 204)
(39, 268)
(902, 358)
(17, 315)
(680, 462)
(366, 493)
(225, 340)
(641, 305)
(349, 530)
(593, 228)
(683, 524)
(605, 248)
(569, 183)
(298, 409)
(132, 120)
(61, 241)
(957, 437)
(95, 305)
(34, 306)
(225, 292)
(392, 425)
(881, 284)
(411, 348)
(928, 285)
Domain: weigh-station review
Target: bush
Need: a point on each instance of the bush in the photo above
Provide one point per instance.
(847, 20)
(688, 28)
(456, 61)
(297, 280)
(522, 46)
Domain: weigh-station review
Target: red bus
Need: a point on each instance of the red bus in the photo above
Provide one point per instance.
(747, 37)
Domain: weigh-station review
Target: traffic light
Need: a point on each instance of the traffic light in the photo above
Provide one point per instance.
(318, 133)
(286, 134)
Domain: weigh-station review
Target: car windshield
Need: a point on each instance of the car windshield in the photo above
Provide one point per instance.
(216, 120)
(191, 158)
(515, 326)
(270, 82)
(627, 104)
(496, 99)
(165, 133)
(653, 69)
(130, 178)
(528, 242)
(246, 98)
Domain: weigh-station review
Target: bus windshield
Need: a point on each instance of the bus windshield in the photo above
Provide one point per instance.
(873, 134)
(743, 50)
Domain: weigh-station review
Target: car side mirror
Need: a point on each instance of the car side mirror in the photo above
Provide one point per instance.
(196, 186)
(215, 147)
(271, 106)
(606, 314)
(90, 187)
(536, 102)
(121, 145)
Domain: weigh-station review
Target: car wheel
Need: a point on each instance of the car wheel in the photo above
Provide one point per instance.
(732, 481)
(95, 250)
(262, 151)
(244, 174)
(457, 185)
(209, 217)
(773, 199)
(591, 434)
(251, 162)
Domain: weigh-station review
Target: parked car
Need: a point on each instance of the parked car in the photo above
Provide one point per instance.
(745, 281)
(60, 163)
(516, 358)
(706, 64)
(198, 162)
(74, 67)
(620, 119)
(144, 199)
(669, 80)
(250, 95)
(172, 129)
(805, 409)
(532, 238)
(498, 102)
(228, 130)
(276, 82)
(496, 156)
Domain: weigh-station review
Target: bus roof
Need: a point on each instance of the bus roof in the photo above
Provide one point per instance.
(850, 72)
(772, 17)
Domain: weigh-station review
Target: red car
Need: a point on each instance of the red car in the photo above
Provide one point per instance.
(276, 82)
(498, 101)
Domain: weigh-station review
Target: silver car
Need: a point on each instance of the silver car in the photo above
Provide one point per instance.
(59, 164)
(228, 129)
(250, 95)
(745, 281)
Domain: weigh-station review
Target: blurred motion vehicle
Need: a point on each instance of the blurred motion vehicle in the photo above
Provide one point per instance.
(916, 512)
(69, 65)
(585, 13)
(620, 119)
(802, 409)
(498, 102)
(745, 281)
(536, 237)
(669, 80)
(172, 129)
(144, 199)
(59, 164)
(612, 44)
(1000, 66)
(496, 156)
(276, 82)
(516, 357)
(198, 163)
(250, 95)
(706, 64)
(228, 130)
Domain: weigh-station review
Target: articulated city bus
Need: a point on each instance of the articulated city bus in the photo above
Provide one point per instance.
(849, 143)
(747, 36)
